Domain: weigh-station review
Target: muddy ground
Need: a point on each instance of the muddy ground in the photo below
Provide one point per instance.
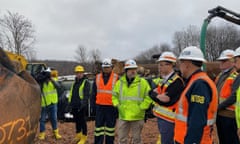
(67, 130)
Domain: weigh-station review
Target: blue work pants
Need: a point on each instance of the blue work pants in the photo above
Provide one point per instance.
(166, 130)
(105, 124)
(51, 112)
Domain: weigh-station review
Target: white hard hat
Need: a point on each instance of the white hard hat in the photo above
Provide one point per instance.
(107, 63)
(237, 52)
(130, 64)
(192, 53)
(48, 70)
(226, 54)
(167, 56)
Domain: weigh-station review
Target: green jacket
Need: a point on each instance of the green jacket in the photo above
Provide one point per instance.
(132, 100)
(49, 94)
(237, 109)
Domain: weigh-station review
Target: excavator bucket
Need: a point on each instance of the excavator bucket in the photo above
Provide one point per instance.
(19, 104)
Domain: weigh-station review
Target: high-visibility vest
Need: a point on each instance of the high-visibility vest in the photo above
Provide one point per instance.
(226, 88)
(49, 95)
(182, 111)
(80, 91)
(104, 92)
(165, 112)
(157, 80)
(237, 110)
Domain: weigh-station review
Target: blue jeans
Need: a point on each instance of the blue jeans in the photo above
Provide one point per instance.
(51, 111)
(166, 130)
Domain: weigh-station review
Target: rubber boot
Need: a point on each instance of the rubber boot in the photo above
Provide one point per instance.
(41, 136)
(83, 140)
(159, 139)
(56, 134)
(77, 137)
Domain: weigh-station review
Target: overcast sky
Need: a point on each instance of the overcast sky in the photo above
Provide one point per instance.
(120, 29)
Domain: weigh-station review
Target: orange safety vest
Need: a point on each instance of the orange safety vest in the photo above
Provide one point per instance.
(182, 111)
(226, 88)
(165, 112)
(104, 92)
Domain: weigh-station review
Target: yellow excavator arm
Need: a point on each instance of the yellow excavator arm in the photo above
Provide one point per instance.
(18, 61)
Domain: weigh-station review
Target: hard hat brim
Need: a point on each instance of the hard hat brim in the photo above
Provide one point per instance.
(236, 55)
(106, 66)
(192, 58)
(131, 67)
(168, 60)
(223, 58)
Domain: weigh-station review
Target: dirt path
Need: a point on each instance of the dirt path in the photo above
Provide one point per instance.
(67, 130)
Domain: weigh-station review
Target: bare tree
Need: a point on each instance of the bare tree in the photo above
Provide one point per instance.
(95, 56)
(17, 33)
(81, 56)
(146, 56)
(182, 39)
(219, 39)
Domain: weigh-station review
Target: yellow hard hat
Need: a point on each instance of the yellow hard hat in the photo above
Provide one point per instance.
(79, 69)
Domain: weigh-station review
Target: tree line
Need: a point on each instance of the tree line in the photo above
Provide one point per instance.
(17, 35)
(218, 38)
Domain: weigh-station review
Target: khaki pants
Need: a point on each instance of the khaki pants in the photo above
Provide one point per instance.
(125, 127)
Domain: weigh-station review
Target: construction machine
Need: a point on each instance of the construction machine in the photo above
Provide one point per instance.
(227, 15)
(20, 64)
(19, 101)
(219, 12)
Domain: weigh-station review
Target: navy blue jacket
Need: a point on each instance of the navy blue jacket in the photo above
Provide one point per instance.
(197, 112)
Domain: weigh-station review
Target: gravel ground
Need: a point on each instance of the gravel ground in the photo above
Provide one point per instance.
(67, 130)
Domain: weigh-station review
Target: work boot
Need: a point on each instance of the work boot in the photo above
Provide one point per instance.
(77, 137)
(159, 139)
(56, 134)
(41, 136)
(83, 139)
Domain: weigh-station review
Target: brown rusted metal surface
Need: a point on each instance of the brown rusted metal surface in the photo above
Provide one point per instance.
(19, 106)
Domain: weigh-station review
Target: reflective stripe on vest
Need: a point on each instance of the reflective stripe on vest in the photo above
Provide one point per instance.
(160, 111)
(180, 115)
(50, 92)
(49, 95)
(104, 92)
(80, 91)
(231, 107)
(225, 90)
(125, 98)
(238, 104)
(181, 123)
(165, 112)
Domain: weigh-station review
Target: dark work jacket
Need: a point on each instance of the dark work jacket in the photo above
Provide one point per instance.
(173, 91)
(197, 113)
(232, 98)
(76, 102)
